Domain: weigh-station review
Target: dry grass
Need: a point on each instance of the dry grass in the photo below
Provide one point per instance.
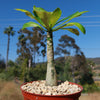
(98, 83)
(91, 96)
(10, 91)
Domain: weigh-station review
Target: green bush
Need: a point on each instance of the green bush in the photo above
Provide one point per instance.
(6, 76)
(90, 88)
(76, 73)
(87, 78)
(10, 74)
(11, 63)
(37, 73)
(2, 76)
(63, 70)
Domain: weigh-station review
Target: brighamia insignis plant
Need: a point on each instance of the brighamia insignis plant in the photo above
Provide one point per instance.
(48, 21)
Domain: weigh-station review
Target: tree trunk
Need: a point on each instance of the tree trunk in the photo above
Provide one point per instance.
(34, 57)
(29, 63)
(43, 59)
(72, 68)
(51, 77)
(7, 51)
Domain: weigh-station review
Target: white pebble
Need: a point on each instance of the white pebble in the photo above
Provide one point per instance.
(38, 87)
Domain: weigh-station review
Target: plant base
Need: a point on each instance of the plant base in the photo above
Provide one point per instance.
(32, 96)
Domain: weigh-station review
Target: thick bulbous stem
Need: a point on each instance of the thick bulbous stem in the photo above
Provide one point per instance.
(51, 77)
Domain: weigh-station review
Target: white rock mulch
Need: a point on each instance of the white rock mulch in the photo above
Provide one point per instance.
(39, 87)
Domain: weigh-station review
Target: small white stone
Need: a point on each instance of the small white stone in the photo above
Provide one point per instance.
(54, 93)
(39, 87)
(48, 93)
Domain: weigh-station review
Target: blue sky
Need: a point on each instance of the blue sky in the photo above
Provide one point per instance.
(89, 43)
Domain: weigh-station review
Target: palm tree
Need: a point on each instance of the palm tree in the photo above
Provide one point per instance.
(48, 21)
(9, 31)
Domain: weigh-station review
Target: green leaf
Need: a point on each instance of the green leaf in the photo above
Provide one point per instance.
(42, 15)
(31, 24)
(58, 27)
(26, 12)
(39, 20)
(30, 15)
(80, 26)
(71, 24)
(38, 9)
(66, 18)
(77, 14)
(73, 30)
(55, 16)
